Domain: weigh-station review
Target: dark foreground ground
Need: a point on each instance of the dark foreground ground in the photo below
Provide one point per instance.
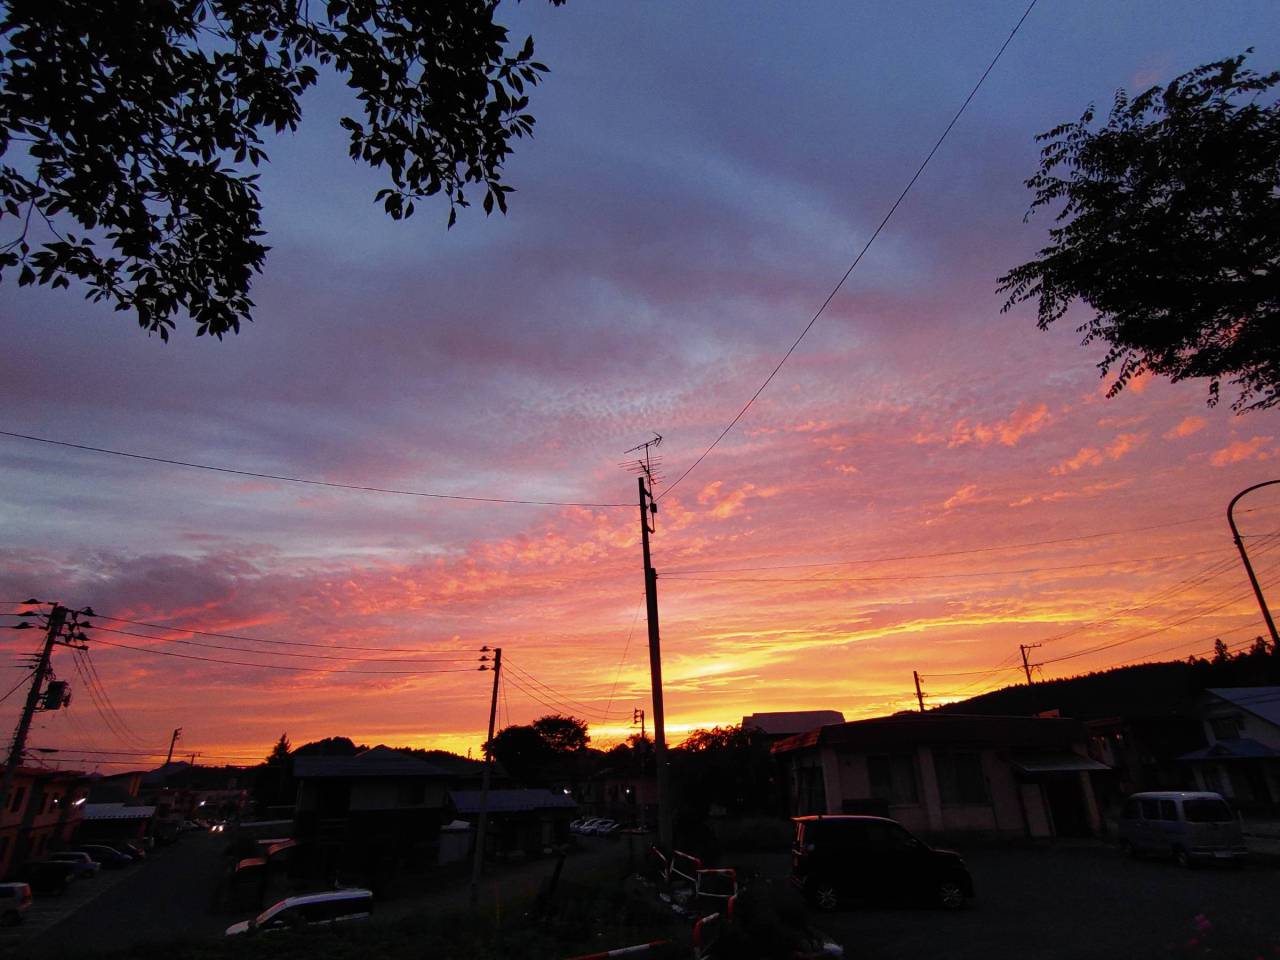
(1069, 901)
(1072, 902)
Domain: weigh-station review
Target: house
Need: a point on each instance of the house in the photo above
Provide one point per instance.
(108, 822)
(42, 815)
(787, 723)
(943, 773)
(376, 814)
(626, 791)
(525, 822)
(1241, 727)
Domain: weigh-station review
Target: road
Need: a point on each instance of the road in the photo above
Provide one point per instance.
(168, 897)
(1074, 902)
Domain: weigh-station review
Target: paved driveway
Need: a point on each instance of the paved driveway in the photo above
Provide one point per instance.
(1076, 902)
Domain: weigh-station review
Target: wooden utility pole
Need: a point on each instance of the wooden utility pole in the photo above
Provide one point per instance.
(57, 617)
(1248, 567)
(919, 694)
(477, 860)
(666, 840)
(177, 732)
(1026, 666)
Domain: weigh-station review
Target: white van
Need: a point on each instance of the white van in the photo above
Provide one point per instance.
(334, 906)
(1190, 827)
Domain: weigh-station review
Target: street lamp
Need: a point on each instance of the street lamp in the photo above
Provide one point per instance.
(1248, 567)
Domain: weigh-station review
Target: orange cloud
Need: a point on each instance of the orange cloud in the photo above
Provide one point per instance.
(1093, 456)
(1243, 450)
(965, 494)
(1186, 428)
(1024, 420)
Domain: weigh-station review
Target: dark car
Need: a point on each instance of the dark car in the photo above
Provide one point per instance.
(109, 857)
(47, 876)
(130, 848)
(840, 858)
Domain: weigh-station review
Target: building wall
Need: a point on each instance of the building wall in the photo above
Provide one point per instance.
(41, 817)
(1005, 804)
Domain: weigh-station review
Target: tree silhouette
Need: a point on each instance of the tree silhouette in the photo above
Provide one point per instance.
(140, 123)
(279, 755)
(1169, 229)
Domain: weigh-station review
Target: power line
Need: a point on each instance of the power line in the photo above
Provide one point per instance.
(303, 480)
(623, 659)
(525, 674)
(272, 666)
(286, 643)
(867, 246)
(106, 697)
(308, 656)
(17, 686)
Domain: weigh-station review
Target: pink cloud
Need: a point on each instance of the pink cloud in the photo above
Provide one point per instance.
(1186, 428)
(1093, 456)
(966, 494)
(1243, 450)
(1024, 420)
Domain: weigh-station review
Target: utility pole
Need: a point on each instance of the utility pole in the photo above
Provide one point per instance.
(648, 508)
(919, 694)
(637, 716)
(57, 617)
(1026, 666)
(477, 860)
(1248, 567)
(177, 732)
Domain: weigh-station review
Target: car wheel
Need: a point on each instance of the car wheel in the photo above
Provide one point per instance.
(824, 896)
(1181, 858)
(950, 895)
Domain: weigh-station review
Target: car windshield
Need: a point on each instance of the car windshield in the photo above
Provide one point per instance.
(1207, 810)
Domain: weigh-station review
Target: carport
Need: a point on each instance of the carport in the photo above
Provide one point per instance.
(1058, 782)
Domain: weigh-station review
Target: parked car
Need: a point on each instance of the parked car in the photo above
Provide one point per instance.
(602, 827)
(133, 848)
(1188, 826)
(15, 900)
(109, 857)
(839, 858)
(48, 876)
(334, 906)
(85, 866)
(584, 825)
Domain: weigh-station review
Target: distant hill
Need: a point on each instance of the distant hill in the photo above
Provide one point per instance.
(1147, 689)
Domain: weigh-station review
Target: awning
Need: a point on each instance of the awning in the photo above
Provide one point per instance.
(1055, 763)
(117, 811)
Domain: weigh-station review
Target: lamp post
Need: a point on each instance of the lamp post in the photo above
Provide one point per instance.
(1248, 567)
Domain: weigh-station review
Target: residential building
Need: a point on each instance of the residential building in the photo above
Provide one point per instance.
(787, 723)
(376, 813)
(524, 822)
(944, 773)
(42, 815)
(626, 791)
(1241, 761)
(108, 822)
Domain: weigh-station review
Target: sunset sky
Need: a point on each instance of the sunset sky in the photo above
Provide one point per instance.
(927, 483)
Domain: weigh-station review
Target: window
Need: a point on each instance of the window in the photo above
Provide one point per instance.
(1207, 810)
(893, 778)
(1226, 728)
(1132, 810)
(412, 794)
(1150, 810)
(1168, 810)
(888, 837)
(960, 778)
(19, 794)
(4, 847)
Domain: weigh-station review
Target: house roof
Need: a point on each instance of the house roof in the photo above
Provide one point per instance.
(1262, 702)
(911, 730)
(377, 762)
(1242, 748)
(788, 722)
(117, 811)
(512, 801)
